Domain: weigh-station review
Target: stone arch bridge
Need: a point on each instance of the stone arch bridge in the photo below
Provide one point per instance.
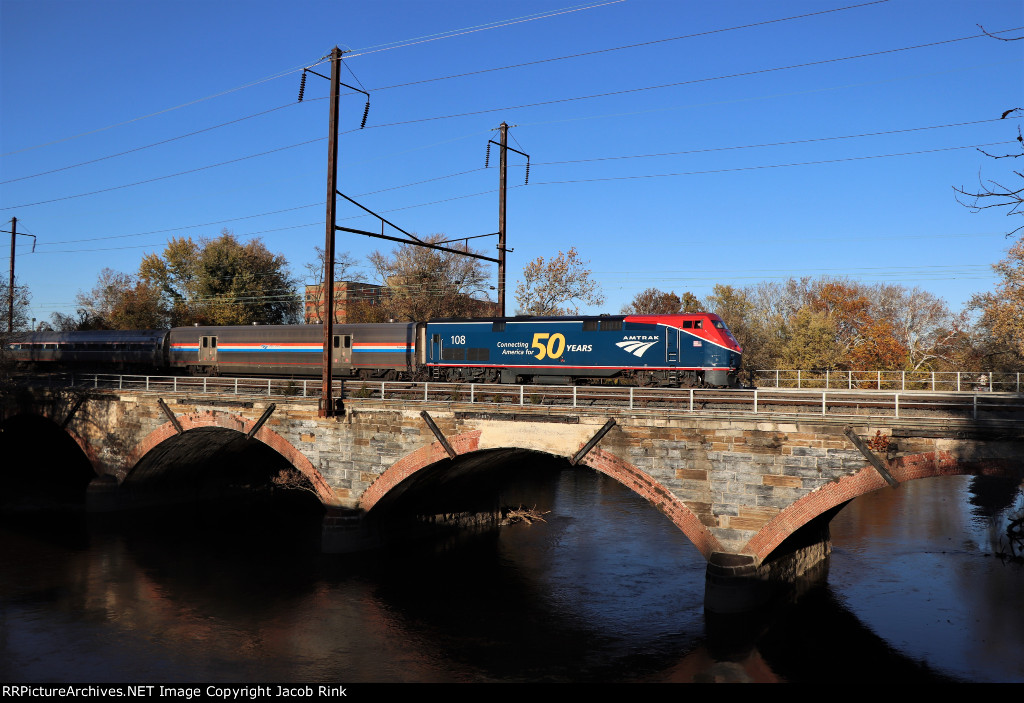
(754, 493)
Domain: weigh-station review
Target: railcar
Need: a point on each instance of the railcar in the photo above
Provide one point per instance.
(360, 350)
(119, 349)
(667, 350)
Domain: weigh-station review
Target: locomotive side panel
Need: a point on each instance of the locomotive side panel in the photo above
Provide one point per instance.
(651, 348)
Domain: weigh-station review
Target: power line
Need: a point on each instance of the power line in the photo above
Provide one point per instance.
(691, 81)
(478, 28)
(442, 78)
(490, 191)
(150, 146)
(296, 69)
(629, 46)
(549, 102)
(767, 144)
(164, 177)
(755, 168)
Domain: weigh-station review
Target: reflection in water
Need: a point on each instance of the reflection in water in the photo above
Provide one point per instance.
(605, 590)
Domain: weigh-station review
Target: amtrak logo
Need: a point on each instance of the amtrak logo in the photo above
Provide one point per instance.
(636, 348)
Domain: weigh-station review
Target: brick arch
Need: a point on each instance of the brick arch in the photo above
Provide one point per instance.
(243, 425)
(604, 462)
(660, 497)
(417, 461)
(903, 469)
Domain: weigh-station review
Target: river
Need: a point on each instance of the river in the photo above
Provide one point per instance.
(605, 588)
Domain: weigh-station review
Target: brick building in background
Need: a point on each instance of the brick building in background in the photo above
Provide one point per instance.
(345, 292)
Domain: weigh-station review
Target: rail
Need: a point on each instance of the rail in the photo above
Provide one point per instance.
(822, 403)
(959, 381)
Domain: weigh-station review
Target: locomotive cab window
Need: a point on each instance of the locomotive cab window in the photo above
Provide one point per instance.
(687, 324)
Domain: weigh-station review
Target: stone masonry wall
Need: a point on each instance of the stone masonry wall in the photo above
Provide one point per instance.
(722, 481)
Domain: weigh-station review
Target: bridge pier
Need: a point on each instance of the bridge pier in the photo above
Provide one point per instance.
(736, 583)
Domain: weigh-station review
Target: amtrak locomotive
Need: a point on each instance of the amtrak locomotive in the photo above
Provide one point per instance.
(664, 350)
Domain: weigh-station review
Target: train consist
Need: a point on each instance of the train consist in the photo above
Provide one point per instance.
(664, 350)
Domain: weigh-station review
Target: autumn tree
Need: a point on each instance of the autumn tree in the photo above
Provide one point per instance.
(921, 323)
(118, 301)
(653, 301)
(222, 282)
(1002, 311)
(557, 287)
(426, 283)
(810, 341)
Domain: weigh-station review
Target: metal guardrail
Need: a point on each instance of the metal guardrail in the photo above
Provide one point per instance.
(959, 381)
(823, 403)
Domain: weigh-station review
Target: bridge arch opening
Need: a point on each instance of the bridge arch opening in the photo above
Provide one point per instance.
(809, 517)
(218, 475)
(506, 487)
(43, 466)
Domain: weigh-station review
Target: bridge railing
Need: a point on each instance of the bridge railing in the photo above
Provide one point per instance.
(826, 403)
(959, 381)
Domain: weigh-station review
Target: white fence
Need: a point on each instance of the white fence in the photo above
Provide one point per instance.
(804, 402)
(959, 381)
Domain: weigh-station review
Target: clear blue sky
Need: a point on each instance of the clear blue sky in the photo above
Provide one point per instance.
(82, 80)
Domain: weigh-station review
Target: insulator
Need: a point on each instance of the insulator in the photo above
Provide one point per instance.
(302, 86)
(527, 181)
(366, 111)
(487, 159)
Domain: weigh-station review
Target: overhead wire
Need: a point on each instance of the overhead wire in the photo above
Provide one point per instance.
(490, 191)
(281, 74)
(492, 110)
(479, 28)
(154, 144)
(442, 78)
(628, 46)
(692, 81)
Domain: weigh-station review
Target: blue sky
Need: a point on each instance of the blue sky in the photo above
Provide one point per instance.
(700, 200)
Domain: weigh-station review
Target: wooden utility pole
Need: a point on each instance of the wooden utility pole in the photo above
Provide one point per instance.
(10, 288)
(502, 192)
(327, 399)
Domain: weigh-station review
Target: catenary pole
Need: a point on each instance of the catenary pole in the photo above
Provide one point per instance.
(327, 399)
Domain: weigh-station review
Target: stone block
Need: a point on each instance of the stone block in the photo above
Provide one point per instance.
(808, 451)
(784, 481)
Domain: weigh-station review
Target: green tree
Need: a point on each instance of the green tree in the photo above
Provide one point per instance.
(810, 341)
(557, 287)
(222, 282)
